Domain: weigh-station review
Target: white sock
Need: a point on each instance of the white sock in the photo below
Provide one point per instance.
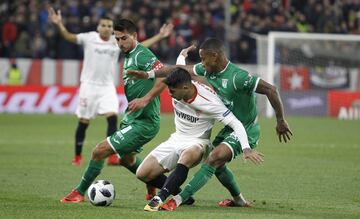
(239, 200)
(178, 200)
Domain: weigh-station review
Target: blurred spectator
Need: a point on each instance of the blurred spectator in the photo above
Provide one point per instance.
(14, 75)
(9, 34)
(194, 20)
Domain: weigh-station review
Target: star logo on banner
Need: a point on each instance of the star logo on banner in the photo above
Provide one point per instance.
(296, 81)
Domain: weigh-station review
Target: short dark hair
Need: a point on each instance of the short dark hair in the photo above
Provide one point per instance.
(178, 77)
(105, 18)
(125, 25)
(213, 44)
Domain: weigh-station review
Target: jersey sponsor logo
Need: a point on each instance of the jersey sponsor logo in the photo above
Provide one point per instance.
(150, 62)
(105, 51)
(226, 113)
(224, 83)
(248, 81)
(185, 116)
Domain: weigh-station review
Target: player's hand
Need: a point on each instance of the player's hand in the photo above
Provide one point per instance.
(137, 104)
(185, 51)
(166, 30)
(137, 74)
(53, 16)
(283, 131)
(253, 155)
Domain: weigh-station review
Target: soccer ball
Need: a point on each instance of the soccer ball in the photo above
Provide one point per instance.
(101, 193)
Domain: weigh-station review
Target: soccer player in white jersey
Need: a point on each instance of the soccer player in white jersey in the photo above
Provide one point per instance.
(97, 93)
(196, 108)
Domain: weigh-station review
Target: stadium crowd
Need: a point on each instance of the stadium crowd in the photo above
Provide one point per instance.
(26, 32)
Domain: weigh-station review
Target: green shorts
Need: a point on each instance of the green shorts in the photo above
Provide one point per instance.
(227, 136)
(132, 137)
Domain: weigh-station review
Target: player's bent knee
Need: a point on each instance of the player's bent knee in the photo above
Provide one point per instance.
(101, 151)
(216, 158)
(143, 175)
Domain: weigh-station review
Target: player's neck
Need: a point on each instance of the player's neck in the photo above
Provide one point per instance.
(191, 94)
(222, 63)
(104, 38)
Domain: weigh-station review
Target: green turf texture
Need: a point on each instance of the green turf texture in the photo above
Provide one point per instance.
(316, 175)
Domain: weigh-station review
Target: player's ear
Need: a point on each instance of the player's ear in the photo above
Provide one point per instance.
(135, 35)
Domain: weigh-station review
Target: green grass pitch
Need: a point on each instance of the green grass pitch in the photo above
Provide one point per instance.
(316, 175)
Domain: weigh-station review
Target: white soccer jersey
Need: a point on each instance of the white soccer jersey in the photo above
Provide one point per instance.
(196, 117)
(100, 58)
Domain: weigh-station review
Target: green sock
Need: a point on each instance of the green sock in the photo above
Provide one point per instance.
(227, 179)
(200, 178)
(91, 172)
(134, 167)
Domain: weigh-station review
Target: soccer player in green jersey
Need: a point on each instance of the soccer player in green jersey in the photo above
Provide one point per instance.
(237, 88)
(137, 128)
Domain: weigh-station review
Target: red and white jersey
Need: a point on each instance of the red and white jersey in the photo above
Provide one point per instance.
(100, 58)
(196, 117)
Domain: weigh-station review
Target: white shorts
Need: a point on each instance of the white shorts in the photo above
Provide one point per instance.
(95, 99)
(169, 152)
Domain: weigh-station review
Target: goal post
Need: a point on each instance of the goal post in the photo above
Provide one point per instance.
(309, 63)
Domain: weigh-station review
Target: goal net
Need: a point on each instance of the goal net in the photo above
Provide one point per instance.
(306, 67)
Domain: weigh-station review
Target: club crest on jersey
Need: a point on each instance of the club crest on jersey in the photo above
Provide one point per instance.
(224, 83)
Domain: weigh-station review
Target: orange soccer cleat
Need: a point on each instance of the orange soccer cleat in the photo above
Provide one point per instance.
(77, 160)
(169, 205)
(73, 197)
(231, 203)
(113, 160)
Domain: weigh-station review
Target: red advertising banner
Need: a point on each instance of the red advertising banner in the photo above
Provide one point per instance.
(344, 104)
(55, 99)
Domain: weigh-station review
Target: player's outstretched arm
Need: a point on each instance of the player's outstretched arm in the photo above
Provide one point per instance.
(161, 73)
(165, 31)
(282, 128)
(56, 19)
(140, 103)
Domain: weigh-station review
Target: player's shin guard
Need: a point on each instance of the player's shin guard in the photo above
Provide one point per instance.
(91, 172)
(200, 178)
(112, 125)
(79, 137)
(174, 181)
(227, 179)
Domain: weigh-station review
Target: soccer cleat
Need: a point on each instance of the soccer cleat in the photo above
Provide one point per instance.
(113, 160)
(190, 201)
(73, 197)
(154, 204)
(231, 203)
(77, 160)
(169, 205)
(151, 192)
